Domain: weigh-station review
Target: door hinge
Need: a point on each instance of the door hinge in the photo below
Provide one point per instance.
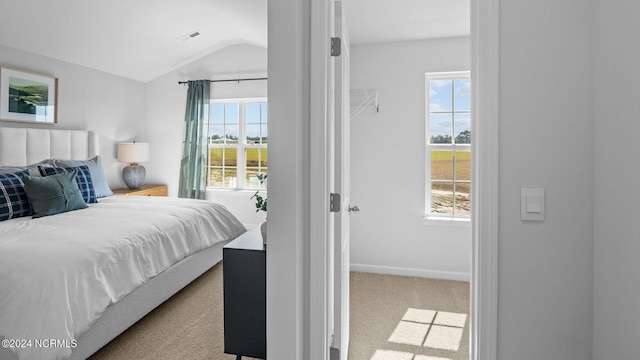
(334, 202)
(335, 46)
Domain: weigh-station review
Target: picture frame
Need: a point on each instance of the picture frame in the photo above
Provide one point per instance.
(28, 97)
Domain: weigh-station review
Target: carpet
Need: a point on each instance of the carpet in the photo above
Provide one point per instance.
(189, 325)
(392, 318)
(408, 318)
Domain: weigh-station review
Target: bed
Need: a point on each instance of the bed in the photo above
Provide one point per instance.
(75, 280)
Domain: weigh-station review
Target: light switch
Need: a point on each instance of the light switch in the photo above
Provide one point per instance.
(532, 204)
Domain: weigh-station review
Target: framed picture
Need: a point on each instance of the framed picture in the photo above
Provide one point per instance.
(28, 97)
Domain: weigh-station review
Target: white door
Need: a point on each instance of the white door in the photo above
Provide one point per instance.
(341, 186)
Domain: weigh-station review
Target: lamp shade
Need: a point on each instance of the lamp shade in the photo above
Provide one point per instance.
(133, 152)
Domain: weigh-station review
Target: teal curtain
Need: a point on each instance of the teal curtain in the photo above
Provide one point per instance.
(193, 167)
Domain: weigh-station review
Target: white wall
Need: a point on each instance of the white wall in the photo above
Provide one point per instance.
(546, 133)
(165, 108)
(91, 100)
(616, 129)
(288, 296)
(388, 163)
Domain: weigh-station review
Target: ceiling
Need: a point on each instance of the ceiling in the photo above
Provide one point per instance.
(371, 21)
(136, 39)
(139, 39)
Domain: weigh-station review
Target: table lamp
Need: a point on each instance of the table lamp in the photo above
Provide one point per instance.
(133, 153)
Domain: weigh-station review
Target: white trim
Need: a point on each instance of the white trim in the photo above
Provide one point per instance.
(452, 221)
(318, 183)
(423, 273)
(484, 202)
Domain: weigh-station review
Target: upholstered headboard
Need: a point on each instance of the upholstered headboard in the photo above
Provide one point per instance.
(24, 146)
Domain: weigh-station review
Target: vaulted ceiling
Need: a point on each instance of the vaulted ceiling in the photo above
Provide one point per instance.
(141, 39)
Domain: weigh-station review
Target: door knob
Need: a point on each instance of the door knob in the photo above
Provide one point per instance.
(355, 209)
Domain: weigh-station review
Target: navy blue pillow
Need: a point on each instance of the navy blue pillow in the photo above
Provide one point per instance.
(85, 183)
(13, 198)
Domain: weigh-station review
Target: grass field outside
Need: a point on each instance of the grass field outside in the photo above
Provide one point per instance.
(223, 167)
(443, 184)
(223, 172)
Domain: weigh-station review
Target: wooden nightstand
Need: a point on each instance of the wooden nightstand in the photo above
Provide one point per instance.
(144, 190)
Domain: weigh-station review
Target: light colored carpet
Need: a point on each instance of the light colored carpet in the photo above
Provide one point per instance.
(187, 326)
(408, 318)
(392, 317)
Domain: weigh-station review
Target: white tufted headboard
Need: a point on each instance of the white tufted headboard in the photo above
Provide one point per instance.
(25, 146)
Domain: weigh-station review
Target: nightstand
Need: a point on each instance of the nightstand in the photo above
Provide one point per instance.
(144, 190)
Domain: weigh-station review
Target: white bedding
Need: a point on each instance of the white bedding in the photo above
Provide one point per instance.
(59, 273)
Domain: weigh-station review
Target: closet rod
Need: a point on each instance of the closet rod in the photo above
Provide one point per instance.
(227, 80)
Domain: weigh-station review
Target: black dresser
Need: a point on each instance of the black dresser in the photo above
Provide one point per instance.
(245, 296)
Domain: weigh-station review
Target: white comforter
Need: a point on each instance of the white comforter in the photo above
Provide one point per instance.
(59, 273)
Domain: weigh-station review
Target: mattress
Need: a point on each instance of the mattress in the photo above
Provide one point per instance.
(59, 273)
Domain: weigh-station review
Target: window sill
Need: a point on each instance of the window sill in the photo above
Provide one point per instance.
(223, 190)
(446, 221)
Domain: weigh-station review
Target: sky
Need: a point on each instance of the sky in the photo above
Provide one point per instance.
(445, 96)
(225, 119)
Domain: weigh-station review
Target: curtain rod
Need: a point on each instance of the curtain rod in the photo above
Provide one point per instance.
(227, 80)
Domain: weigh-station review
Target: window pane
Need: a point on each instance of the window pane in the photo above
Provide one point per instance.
(264, 133)
(230, 177)
(252, 113)
(462, 128)
(217, 113)
(263, 158)
(252, 157)
(215, 177)
(440, 95)
(463, 165)
(231, 134)
(215, 156)
(442, 198)
(231, 113)
(263, 107)
(253, 134)
(216, 134)
(462, 95)
(231, 157)
(252, 181)
(463, 199)
(441, 165)
(440, 128)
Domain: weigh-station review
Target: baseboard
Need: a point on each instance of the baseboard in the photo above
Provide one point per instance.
(425, 273)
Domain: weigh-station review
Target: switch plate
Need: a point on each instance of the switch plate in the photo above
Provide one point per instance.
(532, 204)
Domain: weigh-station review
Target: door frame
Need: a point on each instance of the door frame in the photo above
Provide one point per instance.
(319, 182)
(300, 315)
(484, 167)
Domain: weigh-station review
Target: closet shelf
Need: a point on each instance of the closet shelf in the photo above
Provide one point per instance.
(362, 99)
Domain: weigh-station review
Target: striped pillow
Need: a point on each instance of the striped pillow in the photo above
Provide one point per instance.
(13, 198)
(85, 183)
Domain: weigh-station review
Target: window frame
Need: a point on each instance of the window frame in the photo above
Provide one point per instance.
(241, 146)
(430, 217)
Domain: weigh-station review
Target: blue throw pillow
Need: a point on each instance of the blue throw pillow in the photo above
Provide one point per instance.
(13, 198)
(53, 194)
(97, 174)
(84, 180)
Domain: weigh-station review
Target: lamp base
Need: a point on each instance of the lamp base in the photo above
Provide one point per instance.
(133, 175)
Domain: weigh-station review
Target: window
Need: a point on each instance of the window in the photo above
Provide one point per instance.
(448, 125)
(237, 143)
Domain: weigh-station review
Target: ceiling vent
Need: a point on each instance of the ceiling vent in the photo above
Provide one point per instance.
(189, 36)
